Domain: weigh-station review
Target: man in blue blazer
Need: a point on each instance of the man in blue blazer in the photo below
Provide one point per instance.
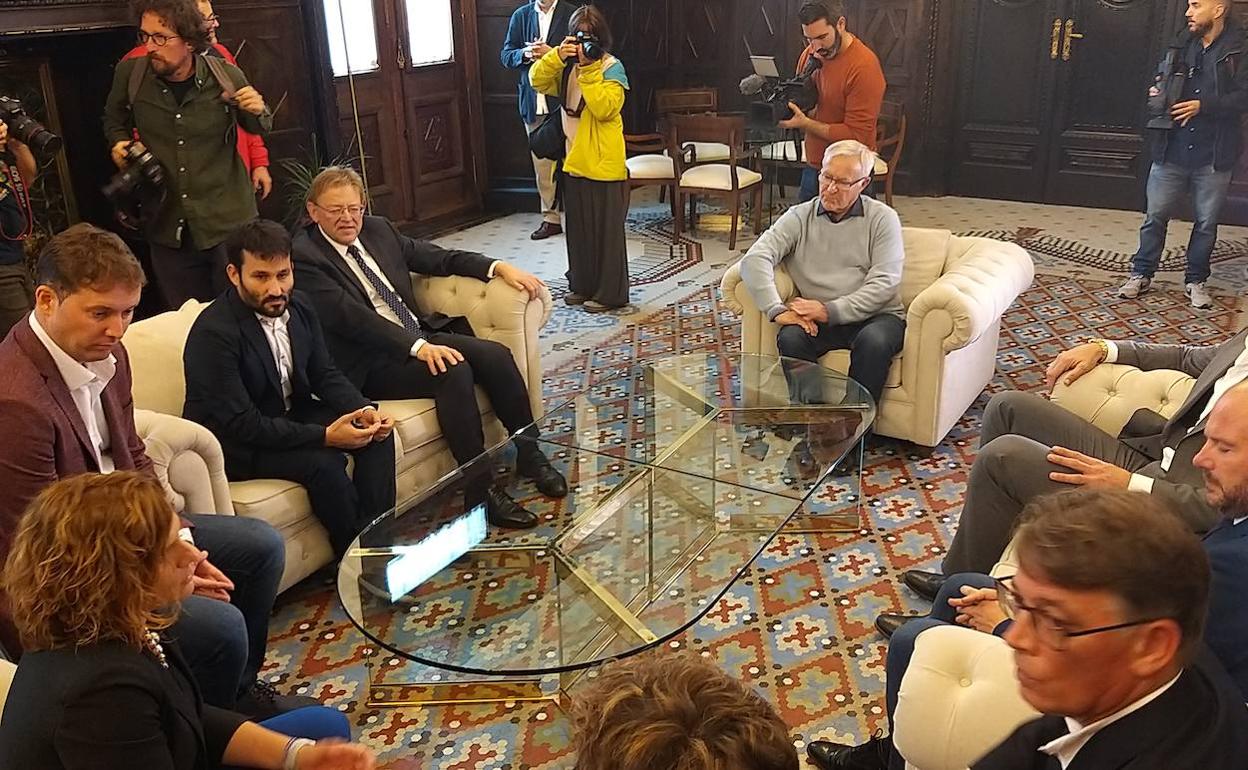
(535, 28)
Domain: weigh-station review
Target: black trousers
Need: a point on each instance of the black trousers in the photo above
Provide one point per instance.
(485, 363)
(188, 273)
(16, 295)
(343, 504)
(871, 344)
(594, 218)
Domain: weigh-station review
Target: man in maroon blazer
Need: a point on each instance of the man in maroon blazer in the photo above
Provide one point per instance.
(66, 408)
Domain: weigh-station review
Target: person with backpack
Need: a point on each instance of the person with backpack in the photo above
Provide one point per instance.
(186, 108)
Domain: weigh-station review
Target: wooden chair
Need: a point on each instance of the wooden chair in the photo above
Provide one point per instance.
(728, 180)
(690, 101)
(890, 140)
(648, 165)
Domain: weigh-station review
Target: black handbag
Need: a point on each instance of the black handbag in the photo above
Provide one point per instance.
(547, 140)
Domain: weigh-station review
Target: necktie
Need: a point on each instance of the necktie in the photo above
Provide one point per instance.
(388, 295)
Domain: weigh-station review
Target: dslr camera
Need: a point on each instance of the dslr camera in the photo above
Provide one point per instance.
(26, 129)
(590, 45)
(139, 183)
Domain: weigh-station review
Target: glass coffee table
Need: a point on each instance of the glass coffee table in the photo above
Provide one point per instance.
(680, 470)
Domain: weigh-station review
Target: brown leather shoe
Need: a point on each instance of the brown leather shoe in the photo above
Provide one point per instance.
(546, 230)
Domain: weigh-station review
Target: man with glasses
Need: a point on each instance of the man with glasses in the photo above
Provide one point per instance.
(250, 146)
(357, 270)
(176, 103)
(844, 253)
(992, 605)
(850, 82)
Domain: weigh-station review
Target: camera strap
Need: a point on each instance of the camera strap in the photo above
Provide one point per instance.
(13, 180)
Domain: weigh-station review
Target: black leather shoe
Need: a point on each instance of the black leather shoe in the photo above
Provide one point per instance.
(889, 622)
(504, 512)
(548, 481)
(261, 701)
(925, 584)
(872, 755)
(545, 231)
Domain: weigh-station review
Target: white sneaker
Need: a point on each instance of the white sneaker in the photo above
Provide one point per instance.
(1135, 286)
(1199, 296)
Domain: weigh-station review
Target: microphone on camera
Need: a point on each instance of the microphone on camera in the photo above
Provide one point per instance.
(752, 85)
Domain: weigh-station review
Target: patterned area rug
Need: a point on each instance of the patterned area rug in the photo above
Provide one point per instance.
(798, 627)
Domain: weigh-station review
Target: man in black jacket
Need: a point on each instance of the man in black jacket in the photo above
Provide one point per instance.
(1195, 104)
(258, 375)
(357, 271)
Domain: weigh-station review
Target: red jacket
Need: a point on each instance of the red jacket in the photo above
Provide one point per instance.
(250, 146)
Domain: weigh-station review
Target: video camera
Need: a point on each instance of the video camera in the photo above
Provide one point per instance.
(26, 129)
(775, 92)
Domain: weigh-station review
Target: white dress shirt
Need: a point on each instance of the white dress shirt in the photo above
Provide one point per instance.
(544, 18)
(1067, 746)
(379, 304)
(277, 332)
(1237, 373)
(85, 383)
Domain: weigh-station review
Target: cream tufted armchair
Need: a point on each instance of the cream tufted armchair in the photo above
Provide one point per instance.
(959, 697)
(496, 311)
(955, 291)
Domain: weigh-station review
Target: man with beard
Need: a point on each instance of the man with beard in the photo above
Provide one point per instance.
(176, 101)
(1195, 104)
(974, 600)
(258, 375)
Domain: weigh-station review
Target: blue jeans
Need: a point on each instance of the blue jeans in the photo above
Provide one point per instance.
(315, 722)
(1167, 184)
(871, 344)
(810, 184)
(901, 645)
(224, 643)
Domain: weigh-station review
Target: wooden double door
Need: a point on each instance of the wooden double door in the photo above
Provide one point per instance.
(414, 102)
(1051, 98)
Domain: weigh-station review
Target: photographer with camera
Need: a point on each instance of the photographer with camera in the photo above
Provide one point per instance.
(184, 163)
(850, 82)
(592, 86)
(17, 171)
(1195, 104)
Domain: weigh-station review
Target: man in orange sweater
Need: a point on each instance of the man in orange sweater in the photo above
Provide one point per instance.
(250, 146)
(850, 82)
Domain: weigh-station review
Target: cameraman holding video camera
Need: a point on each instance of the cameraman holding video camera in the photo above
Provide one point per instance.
(186, 109)
(850, 82)
(17, 171)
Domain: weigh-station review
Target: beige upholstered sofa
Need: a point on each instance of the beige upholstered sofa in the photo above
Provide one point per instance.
(959, 697)
(955, 290)
(495, 310)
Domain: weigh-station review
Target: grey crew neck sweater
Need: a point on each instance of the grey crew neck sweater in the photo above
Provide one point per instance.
(852, 266)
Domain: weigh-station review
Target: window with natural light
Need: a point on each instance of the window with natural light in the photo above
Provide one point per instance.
(352, 36)
(430, 31)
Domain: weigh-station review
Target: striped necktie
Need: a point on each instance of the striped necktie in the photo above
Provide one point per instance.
(388, 295)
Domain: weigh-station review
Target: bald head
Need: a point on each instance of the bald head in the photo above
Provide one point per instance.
(1224, 457)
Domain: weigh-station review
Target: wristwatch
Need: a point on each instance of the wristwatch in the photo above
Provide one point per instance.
(293, 747)
(1102, 345)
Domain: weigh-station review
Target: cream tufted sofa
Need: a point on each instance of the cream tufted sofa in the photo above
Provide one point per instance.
(955, 291)
(959, 697)
(496, 311)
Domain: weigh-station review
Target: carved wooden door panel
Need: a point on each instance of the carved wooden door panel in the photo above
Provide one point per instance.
(1005, 95)
(1099, 155)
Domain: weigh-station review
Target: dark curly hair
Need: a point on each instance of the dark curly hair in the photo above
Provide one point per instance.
(182, 16)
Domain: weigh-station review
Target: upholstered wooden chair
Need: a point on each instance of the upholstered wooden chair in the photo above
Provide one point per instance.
(691, 101)
(648, 165)
(727, 180)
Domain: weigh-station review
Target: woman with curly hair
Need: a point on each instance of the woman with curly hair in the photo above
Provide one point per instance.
(94, 580)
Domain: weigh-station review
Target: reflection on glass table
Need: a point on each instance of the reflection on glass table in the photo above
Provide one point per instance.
(680, 472)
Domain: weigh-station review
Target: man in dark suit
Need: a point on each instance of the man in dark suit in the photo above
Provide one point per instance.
(258, 375)
(357, 270)
(1031, 446)
(535, 28)
(66, 409)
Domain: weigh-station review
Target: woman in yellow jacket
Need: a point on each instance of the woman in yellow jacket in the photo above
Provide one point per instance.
(595, 179)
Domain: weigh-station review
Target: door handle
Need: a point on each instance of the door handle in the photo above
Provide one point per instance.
(1071, 34)
(1053, 39)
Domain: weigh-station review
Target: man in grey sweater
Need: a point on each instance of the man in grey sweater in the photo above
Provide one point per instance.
(844, 252)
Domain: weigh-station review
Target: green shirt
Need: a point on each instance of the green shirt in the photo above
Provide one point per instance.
(209, 192)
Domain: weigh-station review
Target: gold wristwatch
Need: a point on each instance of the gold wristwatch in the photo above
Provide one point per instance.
(1102, 345)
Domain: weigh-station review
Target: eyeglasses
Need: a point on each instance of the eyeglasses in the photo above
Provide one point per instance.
(337, 211)
(1049, 630)
(841, 183)
(212, 20)
(159, 38)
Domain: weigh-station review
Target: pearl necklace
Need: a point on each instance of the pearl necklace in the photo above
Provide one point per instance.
(151, 641)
